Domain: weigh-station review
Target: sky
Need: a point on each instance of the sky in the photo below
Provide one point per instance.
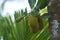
(11, 6)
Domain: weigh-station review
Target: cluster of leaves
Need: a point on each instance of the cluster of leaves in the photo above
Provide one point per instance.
(20, 30)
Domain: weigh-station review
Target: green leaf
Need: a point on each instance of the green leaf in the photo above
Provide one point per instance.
(32, 3)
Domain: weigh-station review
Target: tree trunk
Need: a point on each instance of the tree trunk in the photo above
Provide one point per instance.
(54, 21)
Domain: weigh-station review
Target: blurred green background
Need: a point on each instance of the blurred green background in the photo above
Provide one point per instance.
(20, 28)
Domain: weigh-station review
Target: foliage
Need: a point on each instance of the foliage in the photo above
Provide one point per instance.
(20, 29)
(40, 3)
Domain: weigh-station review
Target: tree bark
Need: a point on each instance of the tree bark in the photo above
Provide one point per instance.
(54, 20)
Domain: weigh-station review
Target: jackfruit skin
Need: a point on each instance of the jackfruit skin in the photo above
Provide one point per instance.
(40, 22)
(35, 23)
